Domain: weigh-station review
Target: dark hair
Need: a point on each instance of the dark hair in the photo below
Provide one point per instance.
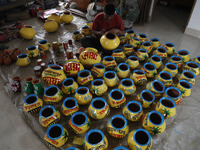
(109, 9)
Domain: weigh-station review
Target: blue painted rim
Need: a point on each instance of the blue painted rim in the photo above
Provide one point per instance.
(186, 82)
(135, 71)
(113, 90)
(28, 96)
(130, 30)
(92, 131)
(99, 99)
(120, 148)
(70, 98)
(127, 79)
(66, 81)
(156, 56)
(155, 39)
(149, 93)
(167, 98)
(170, 43)
(82, 87)
(146, 42)
(198, 58)
(121, 117)
(134, 102)
(50, 65)
(132, 56)
(84, 71)
(99, 64)
(192, 63)
(170, 63)
(169, 88)
(125, 65)
(43, 41)
(118, 50)
(55, 125)
(150, 64)
(52, 86)
(142, 34)
(110, 72)
(194, 76)
(47, 106)
(32, 47)
(79, 113)
(76, 32)
(108, 57)
(85, 27)
(183, 50)
(89, 21)
(20, 55)
(166, 73)
(176, 56)
(97, 80)
(129, 45)
(71, 148)
(159, 83)
(143, 130)
(143, 50)
(136, 39)
(161, 48)
(156, 112)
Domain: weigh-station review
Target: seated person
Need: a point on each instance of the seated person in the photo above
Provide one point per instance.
(107, 21)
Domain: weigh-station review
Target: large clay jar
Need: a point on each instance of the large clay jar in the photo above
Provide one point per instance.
(86, 30)
(133, 62)
(119, 55)
(66, 17)
(27, 32)
(139, 77)
(72, 67)
(116, 98)
(69, 106)
(166, 106)
(142, 37)
(98, 70)
(123, 70)
(44, 45)
(154, 122)
(156, 60)
(165, 77)
(147, 45)
(135, 141)
(109, 41)
(98, 87)
(171, 68)
(32, 51)
(149, 69)
(52, 95)
(89, 57)
(48, 115)
(127, 86)
(142, 54)
(50, 25)
(184, 54)
(23, 60)
(110, 78)
(146, 98)
(177, 60)
(192, 66)
(117, 126)
(98, 108)
(54, 17)
(32, 103)
(109, 62)
(130, 33)
(83, 95)
(95, 139)
(169, 47)
(157, 87)
(187, 75)
(128, 49)
(161, 51)
(133, 111)
(84, 77)
(173, 93)
(69, 86)
(53, 75)
(185, 87)
(155, 43)
(79, 122)
(56, 136)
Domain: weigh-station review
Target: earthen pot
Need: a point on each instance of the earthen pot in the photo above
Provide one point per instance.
(6, 59)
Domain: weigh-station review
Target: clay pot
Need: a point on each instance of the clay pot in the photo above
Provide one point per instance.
(27, 32)
(6, 59)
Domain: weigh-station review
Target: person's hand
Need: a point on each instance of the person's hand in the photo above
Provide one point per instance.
(102, 32)
(115, 31)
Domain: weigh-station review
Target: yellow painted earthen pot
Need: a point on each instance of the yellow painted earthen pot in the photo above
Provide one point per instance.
(109, 41)
(66, 17)
(27, 32)
(54, 17)
(50, 25)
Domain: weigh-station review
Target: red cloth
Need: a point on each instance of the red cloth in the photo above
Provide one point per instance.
(101, 23)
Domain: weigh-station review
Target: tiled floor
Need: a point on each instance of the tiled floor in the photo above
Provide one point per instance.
(167, 25)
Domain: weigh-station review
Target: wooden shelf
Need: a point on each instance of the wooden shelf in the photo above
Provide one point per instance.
(14, 4)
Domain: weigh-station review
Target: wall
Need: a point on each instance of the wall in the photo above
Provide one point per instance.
(193, 27)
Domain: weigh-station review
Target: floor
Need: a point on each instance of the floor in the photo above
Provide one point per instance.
(167, 24)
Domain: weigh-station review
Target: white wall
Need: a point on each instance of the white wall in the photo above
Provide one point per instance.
(193, 27)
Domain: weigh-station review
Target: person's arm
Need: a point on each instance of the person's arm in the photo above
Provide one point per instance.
(98, 33)
(118, 31)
